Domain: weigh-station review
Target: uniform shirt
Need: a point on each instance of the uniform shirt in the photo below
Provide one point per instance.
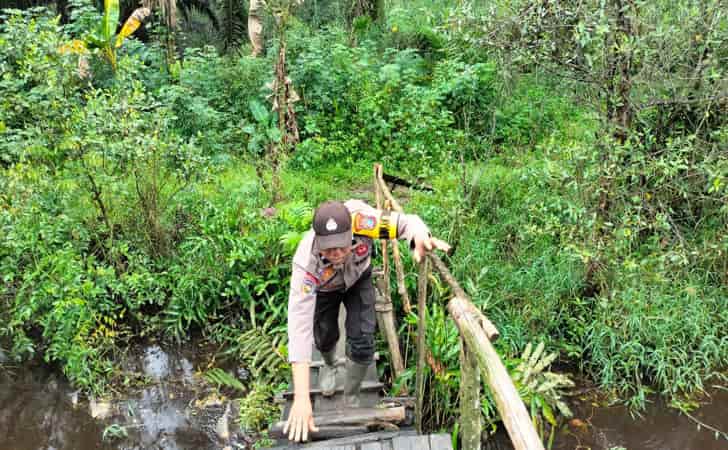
(313, 273)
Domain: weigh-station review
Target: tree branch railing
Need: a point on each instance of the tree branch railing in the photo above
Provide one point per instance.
(477, 354)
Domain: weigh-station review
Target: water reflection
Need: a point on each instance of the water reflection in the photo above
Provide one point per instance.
(39, 410)
(37, 413)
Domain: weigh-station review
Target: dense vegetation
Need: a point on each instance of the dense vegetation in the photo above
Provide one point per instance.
(578, 153)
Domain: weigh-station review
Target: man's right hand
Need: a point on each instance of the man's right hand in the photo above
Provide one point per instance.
(300, 420)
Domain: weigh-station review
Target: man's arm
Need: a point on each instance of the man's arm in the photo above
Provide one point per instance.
(300, 419)
(377, 223)
(301, 307)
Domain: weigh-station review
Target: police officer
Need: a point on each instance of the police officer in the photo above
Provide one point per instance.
(332, 265)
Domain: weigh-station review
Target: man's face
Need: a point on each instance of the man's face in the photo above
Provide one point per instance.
(336, 255)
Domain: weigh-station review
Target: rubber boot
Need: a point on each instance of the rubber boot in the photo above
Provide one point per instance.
(327, 374)
(355, 373)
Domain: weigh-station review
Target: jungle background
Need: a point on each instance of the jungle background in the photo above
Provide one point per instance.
(577, 153)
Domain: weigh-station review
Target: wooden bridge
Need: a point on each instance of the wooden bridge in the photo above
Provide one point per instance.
(395, 423)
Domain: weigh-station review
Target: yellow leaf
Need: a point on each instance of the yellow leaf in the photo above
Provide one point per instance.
(75, 47)
(131, 24)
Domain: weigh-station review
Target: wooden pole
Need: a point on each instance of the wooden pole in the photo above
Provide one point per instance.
(388, 326)
(421, 342)
(385, 313)
(401, 286)
(490, 329)
(512, 410)
(487, 325)
(470, 423)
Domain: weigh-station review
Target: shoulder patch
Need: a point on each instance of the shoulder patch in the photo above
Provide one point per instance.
(363, 222)
(309, 283)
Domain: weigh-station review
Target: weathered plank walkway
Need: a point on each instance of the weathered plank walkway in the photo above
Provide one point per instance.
(343, 428)
(387, 440)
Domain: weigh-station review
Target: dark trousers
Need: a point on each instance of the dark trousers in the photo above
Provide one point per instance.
(359, 301)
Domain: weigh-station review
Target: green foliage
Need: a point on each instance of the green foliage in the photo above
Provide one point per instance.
(262, 348)
(113, 432)
(257, 409)
(211, 100)
(137, 203)
(222, 378)
(542, 390)
(38, 84)
(360, 104)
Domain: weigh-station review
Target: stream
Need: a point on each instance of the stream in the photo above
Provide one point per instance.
(173, 408)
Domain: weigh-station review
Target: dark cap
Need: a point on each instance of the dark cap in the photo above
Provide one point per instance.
(332, 225)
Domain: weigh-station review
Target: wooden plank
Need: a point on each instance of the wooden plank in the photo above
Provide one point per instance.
(379, 436)
(328, 432)
(352, 416)
(440, 442)
(365, 386)
(411, 443)
(371, 446)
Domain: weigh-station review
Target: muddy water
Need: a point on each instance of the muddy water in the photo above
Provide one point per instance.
(173, 408)
(661, 428)
(36, 412)
(166, 406)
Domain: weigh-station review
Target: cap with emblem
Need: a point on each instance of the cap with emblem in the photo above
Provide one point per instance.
(332, 225)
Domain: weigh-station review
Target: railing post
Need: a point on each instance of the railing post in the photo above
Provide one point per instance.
(470, 421)
(385, 315)
(421, 342)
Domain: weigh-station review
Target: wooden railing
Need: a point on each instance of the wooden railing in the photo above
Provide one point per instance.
(477, 354)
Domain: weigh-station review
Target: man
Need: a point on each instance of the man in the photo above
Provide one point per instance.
(331, 266)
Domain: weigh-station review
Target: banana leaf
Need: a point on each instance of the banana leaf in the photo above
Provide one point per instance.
(110, 20)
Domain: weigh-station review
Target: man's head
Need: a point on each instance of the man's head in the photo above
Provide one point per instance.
(332, 225)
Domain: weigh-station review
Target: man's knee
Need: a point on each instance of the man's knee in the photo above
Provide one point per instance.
(326, 333)
(360, 349)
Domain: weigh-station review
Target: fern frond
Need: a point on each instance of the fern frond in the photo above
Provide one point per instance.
(222, 378)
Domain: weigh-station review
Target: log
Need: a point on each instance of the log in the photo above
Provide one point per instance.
(352, 417)
(421, 341)
(385, 315)
(487, 325)
(402, 182)
(512, 410)
(470, 421)
(379, 436)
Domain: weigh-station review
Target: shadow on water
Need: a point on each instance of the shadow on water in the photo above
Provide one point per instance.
(173, 408)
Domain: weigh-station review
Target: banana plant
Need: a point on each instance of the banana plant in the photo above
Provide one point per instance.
(104, 37)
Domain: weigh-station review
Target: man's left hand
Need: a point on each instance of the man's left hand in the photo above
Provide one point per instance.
(425, 243)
